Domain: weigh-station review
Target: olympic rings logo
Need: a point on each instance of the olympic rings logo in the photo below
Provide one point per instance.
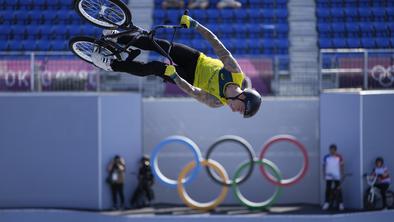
(217, 172)
(384, 76)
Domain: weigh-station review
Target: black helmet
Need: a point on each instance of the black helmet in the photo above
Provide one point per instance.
(380, 159)
(252, 102)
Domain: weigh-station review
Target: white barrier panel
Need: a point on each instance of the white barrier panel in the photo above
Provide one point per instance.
(55, 147)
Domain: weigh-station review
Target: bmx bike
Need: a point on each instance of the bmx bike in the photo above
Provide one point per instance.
(113, 15)
(373, 199)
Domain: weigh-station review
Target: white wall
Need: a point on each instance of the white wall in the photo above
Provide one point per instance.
(295, 116)
(361, 124)
(54, 147)
(340, 124)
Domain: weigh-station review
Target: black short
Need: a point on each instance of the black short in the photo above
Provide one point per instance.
(183, 56)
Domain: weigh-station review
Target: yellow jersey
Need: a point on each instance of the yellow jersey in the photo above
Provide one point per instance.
(213, 78)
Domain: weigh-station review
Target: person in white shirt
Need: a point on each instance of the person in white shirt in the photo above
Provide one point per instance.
(333, 167)
(383, 178)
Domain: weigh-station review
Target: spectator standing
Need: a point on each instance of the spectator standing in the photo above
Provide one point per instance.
(203, 4)
(166, 4)
(143, 194)
(116, 170)
(333, 168)
(229, 4)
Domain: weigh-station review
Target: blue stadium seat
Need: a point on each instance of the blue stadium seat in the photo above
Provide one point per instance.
(29, 45)
(353, 42)
(3, 45)
(255, 15)
(364, 3)
(49, 17)
(18, 32)
(241, 46)
(267, 31)
(42, 45)
(281, 15)
(268, 15)
(226, 15)
(255, 31)
(323, 15)
(366, 29)
(14, 45)
(325, 43)
(242, 30)
(35, 16)
(324, 29)
(33, 32)
(376, 4)
(40, 4)
(199, 15)
(336, 3)
(352, 29)
(53, 4)
(368, 43)
(5, 34)
(21, 17)
(58, 45)
(8, 17)
(159, 16)
(339, 29)
(390, 14)
(392, 42)
(256, 3)
(45, 31)
(364, 14)
(351, 15)
(212, 15)
(379, 14)
(282, 43)
(339, 43)
(337, 14)
(323, 4)
(383, 43)
(381, 29)
(282, 30)
(281, 3)
(241, 16)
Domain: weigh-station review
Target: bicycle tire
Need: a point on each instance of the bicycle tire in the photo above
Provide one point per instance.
(125, 22)
(390, 199)
(369, 201)
(73, 45)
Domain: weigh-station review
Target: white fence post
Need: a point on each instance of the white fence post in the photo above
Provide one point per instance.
(32, 71)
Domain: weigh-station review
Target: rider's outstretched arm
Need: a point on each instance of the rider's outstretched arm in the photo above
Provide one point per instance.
(220, 50)
(191, 90)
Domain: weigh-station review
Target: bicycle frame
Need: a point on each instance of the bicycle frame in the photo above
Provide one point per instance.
(151, 34)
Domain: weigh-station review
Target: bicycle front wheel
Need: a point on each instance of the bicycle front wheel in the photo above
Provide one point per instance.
(107, 14)
(83, 46)
(390, 199)
(370, 200)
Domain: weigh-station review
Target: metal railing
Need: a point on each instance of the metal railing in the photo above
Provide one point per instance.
(356, 68)
(62, 71)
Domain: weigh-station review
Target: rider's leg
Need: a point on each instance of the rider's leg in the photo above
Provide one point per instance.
(383, 188)
(145, 69)
(181, 54)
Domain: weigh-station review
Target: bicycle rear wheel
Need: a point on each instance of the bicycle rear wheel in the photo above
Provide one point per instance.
(107, 14)
(83, 46)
